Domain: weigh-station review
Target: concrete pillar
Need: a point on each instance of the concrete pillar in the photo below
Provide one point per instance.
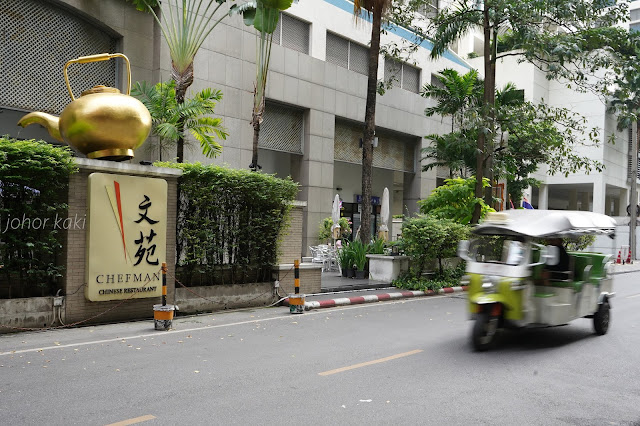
(418, 187)
(316, 174)
(621, 209)
(599, 195)
(573, 199)
(543, 197)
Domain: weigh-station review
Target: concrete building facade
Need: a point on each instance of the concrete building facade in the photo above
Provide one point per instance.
(316, 92)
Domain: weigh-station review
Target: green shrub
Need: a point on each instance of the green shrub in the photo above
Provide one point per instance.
(426, 239)
(229, 222)
(34, 179)
(448, 278)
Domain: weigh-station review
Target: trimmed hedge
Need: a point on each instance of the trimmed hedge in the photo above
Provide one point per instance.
(34, 179)
(229, 222)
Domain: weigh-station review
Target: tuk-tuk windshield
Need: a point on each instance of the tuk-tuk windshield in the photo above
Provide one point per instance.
(497, 249)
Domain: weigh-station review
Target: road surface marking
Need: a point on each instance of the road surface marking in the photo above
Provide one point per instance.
(364, 364)
(133, 421)
(209, 327)
(635, 295)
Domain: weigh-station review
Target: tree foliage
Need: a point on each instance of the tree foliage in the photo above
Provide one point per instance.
(455, 200)
(171, 121)
(530, 135)
(185, 25)
(565, 39)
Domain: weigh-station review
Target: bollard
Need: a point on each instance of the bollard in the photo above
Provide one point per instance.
(163, 314)
(296, 300)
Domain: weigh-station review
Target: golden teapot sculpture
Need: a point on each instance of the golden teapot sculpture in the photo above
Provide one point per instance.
(102, 123)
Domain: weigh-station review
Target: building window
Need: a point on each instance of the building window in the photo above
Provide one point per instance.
(406, 76)
(292, 33)
(634, 27)
(429, 9)
(347, 54)
(34, 50)
(282, 128)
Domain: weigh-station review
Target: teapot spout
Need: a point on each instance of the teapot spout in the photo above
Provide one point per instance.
(48, 121)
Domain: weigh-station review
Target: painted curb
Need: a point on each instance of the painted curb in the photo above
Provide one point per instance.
(371, 298)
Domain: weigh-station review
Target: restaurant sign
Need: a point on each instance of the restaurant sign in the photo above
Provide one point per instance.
(126, 237)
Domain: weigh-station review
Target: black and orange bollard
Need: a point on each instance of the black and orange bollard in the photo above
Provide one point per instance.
(163, 314)
(296, 300)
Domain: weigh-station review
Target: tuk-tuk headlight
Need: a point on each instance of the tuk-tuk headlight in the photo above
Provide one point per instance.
(490, 285)
(518, 284)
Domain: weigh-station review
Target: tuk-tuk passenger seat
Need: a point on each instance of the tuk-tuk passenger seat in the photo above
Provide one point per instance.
(563, 276)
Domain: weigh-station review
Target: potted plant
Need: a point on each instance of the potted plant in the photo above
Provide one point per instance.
(359, 257)
(345, 259)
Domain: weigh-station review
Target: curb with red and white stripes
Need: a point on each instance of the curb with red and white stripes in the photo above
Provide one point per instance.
(371, 298)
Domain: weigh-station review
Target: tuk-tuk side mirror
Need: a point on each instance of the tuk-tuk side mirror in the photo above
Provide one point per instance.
(463, 249)
(552, 254)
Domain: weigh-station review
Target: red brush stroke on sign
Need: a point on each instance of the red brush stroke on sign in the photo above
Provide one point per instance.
(124, 244)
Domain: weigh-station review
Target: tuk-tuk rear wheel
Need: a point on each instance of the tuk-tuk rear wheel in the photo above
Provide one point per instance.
(484, 331)
(601, 318)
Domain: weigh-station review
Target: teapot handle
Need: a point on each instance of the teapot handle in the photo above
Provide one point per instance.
(97, 58)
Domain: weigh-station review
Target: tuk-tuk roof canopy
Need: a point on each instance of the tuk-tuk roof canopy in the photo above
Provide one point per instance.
(545, 223)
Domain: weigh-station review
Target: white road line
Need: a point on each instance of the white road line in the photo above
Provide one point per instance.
(209, 327)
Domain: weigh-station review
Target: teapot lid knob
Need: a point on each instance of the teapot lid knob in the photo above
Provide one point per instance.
(100, 89)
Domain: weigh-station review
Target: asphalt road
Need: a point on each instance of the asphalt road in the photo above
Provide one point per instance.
(406, 362)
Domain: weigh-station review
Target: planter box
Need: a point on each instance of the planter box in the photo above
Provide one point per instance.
(387, 268)
(32, 312)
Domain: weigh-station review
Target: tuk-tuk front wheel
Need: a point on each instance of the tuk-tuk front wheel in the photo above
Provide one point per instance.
(484, 331)
(601, 318)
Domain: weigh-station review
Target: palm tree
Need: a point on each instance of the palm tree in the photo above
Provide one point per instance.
(171, 120)
(455, 95)
(455, 150)
(377, 8)
(185, 26)
(263, 15)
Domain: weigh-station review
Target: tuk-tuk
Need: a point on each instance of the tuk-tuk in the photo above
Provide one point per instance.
(513, 277)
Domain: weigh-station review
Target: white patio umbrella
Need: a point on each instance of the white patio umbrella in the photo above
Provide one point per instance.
(384, 215)
(335, 217)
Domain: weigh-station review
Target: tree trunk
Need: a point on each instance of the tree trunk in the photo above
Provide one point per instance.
(256, 120)
(183, 81)
(370, 125)
(488, 97)
(254, 158)
(490, 101)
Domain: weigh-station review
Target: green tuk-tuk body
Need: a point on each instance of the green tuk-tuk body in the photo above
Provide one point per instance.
(512, 281)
